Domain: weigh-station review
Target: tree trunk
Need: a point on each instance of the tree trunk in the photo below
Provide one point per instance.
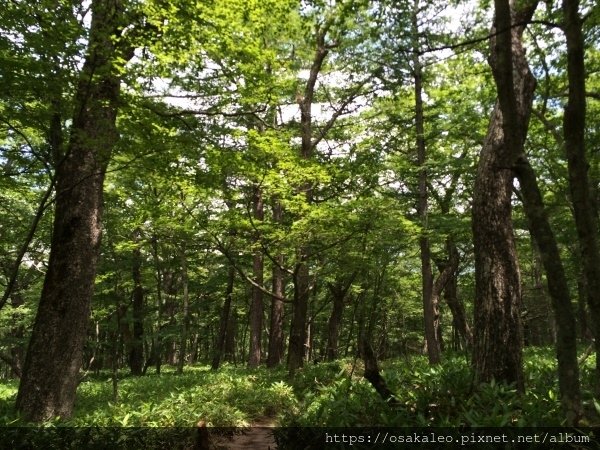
(302, 271)
(444, 277)
(338, 293)
(136, 355)
(516, 86)
(372, 373)
(497, 347)
(566, 339)
(16, 334)
(224, 322)
(498, 334)
(585, 333)
(333, 328)
(308, 342)
(578, 167)
(430, 305)
(457, 309)
(230, 353)
(300, 313)
(276, 343)
(186, 313)
(50, 374)
(157, 340)
(256, 308)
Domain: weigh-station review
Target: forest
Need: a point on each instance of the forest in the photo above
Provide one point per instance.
(299, 212)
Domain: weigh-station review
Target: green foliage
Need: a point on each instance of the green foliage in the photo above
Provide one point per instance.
(331, 394)
(8, 392)
(340, 403)
(229, 397)
(432, 396)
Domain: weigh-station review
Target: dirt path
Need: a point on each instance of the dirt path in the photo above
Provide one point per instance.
(257, 437)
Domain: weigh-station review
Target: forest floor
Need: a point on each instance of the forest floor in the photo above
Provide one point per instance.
(264, 406)
(258, 436)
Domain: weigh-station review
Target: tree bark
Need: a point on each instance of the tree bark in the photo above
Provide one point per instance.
(373, 375)
(302, 272)
(516, 86)
(136, 354)
(276, 343)
(457, 308)
(333, 326)
(338, 291)
(585, 332)
(224, 322)
(186, 313)
(50, 373)
(566, 339)
(578, 168)
(256, 308)
(440, 283)
(230, 338)
(430, 305)
(157, 340)
(497, 347)
(301, 280)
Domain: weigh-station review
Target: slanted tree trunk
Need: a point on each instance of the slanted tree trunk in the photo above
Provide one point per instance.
(574, 137)
(256, 308)
(55, 140)
(566, 334)
(441, 282)
(517, 81)
(457, 308)
(51, 369)
(372, 373)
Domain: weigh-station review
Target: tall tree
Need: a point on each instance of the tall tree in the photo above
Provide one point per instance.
(524, 84)
(256, 308)
(339, 290)
(301, 276)
(186, 311)
(516, 84)
(336, 25)
(497, 349)
(136, 354)
(430, 303)
(224, 331)
(578, 167)
(276, 342)
(54, 357)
